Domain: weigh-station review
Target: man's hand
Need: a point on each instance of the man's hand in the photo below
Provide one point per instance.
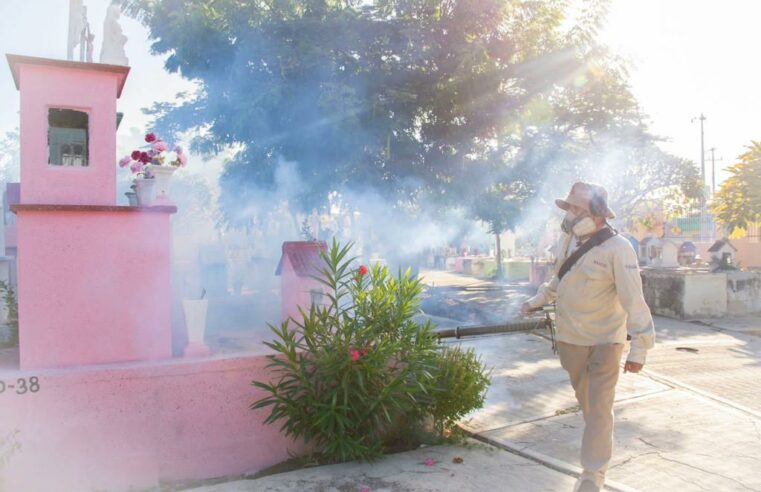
(634, 367)
(526, 309)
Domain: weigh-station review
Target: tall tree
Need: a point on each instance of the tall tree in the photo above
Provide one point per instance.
(454, 101)
(500, 208)
(737, 204)
(587, 128)
(399, 95)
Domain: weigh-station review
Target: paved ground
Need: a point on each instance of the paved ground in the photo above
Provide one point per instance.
(483, 468)
(670, 435)
(690, 422)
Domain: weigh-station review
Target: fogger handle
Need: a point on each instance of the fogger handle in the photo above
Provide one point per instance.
(526, 309)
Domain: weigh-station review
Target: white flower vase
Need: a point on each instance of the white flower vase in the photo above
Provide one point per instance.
(163, 177)
(195, 320)
(145, 189)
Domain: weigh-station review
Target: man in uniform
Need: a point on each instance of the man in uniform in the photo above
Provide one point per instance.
(598, 294)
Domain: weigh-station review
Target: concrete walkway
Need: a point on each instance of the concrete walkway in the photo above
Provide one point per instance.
(690, 422)
(438, 468)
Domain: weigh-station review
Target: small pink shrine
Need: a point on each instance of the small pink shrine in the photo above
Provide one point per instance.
(96, 401)
(297, 268)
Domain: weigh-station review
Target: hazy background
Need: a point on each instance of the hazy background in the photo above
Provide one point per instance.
(687, 57)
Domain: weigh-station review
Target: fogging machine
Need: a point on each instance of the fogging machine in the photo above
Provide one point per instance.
(544, 323)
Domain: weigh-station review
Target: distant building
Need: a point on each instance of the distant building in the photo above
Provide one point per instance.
(723, 254)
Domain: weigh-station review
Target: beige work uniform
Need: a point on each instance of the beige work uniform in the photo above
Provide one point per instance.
(598, 302)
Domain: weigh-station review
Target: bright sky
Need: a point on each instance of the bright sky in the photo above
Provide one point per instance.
(689, 56)
(693, 56)
(40, 28)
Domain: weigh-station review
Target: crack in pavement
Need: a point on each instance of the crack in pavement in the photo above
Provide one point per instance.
(631, 458)
(649, 444)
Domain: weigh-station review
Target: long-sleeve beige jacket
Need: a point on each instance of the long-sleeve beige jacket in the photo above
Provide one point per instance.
(600, 299)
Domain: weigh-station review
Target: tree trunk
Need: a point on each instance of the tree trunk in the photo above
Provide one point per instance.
(499, 256)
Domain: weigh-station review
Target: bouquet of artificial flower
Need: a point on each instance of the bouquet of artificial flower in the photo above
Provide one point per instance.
(157, 153)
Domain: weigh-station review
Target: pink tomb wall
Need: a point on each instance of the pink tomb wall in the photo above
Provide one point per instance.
(131, 426)
(94, 287)
(295, 291)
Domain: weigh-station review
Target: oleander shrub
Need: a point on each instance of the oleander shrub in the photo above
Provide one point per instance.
(348, 373)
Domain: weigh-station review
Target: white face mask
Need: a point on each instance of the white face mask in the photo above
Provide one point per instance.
(579, 226)
(584, 227)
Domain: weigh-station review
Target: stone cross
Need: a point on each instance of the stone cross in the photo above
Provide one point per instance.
(79, 32)
(75, 27)
(86, 39)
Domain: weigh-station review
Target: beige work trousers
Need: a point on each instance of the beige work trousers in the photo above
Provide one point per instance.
(593, 372)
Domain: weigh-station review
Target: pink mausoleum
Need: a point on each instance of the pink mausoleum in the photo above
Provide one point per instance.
(96, 400)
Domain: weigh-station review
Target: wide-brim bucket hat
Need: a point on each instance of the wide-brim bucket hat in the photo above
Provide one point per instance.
(590, 197)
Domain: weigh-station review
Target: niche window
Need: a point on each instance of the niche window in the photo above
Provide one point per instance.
(317, 297)
(68, 138)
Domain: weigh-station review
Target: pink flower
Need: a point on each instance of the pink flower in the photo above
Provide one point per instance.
(363, 351)
(160, 146)
(354, 355)
(429, 462)
(124, 162)
(363, 270)
(150, 137)
(182, 158)
(136, 155)
(364, 489)
(136, 166)
(145, 158)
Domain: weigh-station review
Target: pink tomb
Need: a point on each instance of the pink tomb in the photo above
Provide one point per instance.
(299, 264)
(103, 404)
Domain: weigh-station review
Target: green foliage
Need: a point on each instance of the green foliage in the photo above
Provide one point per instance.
(348, 370)
(11, 303)
(589, 128)
(401, 95)
(737, 204)
(350, 373)
(306, 230)
(456, 102)
(462, 380)
(500, 206)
